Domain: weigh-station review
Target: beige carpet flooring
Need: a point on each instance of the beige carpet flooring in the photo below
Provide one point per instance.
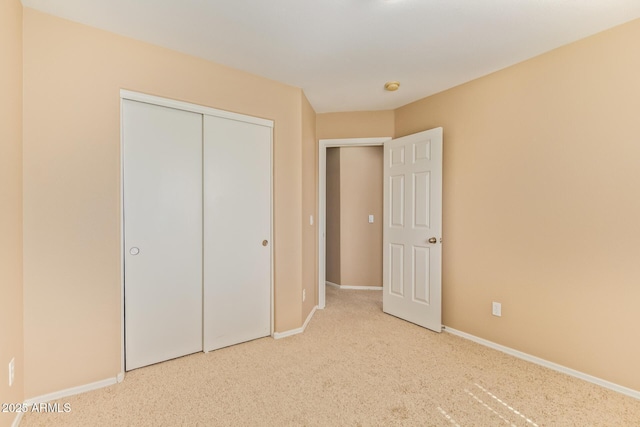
(354, 366)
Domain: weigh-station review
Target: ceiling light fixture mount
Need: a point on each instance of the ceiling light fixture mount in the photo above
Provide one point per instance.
(391, 86)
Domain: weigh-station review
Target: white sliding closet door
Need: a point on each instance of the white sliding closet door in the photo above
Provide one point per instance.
(163, 232)
(237, 232)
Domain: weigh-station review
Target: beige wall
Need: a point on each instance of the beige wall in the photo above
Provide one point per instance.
(309, 207)
(11, 305)
(541, 206)
(361, 196)
(72, 297)
(332, 218)
(357, 124)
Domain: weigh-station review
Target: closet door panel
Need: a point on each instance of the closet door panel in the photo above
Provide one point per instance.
(163, 233)
(237, 232)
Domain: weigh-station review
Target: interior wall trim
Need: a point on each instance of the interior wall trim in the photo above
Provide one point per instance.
(278, 335)
(194, 108)
(357, 288)
(17, 419)
(72, 391)
(547, 364)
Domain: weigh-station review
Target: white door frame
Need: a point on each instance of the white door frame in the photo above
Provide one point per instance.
(180, 105)
(323, 144)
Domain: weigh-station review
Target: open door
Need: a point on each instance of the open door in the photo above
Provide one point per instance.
(412, 249)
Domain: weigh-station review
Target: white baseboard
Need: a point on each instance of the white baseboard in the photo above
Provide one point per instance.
(120, 377)
(17, 419)
(72, 391)
(359, 288)
(546, 363)
(278, 335)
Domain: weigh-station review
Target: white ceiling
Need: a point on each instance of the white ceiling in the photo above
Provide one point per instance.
(341, 52)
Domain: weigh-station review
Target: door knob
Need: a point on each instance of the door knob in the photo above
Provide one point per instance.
(265, 242)
(433, 240)
(134, 251)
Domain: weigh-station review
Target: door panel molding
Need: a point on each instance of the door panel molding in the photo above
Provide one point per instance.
(412, 252)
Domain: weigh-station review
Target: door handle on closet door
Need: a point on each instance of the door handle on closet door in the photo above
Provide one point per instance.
(134, 251)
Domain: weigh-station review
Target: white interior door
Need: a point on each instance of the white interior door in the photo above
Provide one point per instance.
(163, 233)
(412, 250)
(237, 232)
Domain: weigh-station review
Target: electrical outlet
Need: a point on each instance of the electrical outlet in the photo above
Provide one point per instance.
(12, 370)
(304, 294)
(496, 309)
